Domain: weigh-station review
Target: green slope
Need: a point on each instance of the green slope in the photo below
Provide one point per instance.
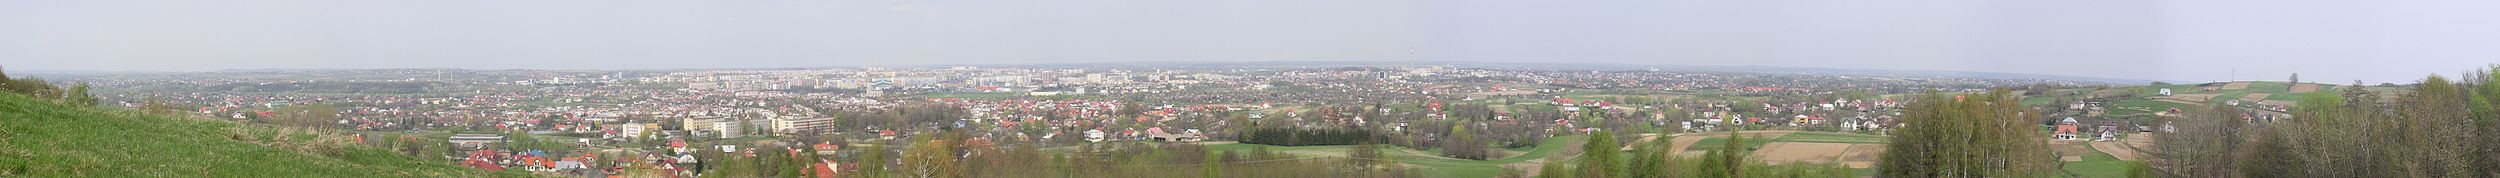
(41, 139)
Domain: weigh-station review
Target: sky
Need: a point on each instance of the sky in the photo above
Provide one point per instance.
(2338, 41)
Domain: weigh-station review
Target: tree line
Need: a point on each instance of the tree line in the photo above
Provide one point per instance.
(2436, 128)
(75, 94)
(1311, 136)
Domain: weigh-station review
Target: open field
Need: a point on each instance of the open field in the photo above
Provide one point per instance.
(1857, 151)
(1801, 152)
(1830, 137)
(2125, 150)
(2255, 96)
(2096, 164)
(1706, 142)
(2305, 88)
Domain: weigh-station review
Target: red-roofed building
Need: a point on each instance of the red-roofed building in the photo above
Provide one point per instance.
(481, 165)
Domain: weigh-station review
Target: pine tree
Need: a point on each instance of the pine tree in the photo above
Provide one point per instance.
(1727, 160)
(1599, 158)
(1656, 160)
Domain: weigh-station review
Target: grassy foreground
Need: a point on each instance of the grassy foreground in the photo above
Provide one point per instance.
(39, 138)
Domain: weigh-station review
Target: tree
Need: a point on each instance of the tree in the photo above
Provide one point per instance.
(1599, 158)
(1727, 160)
(2486, 102)
(2204, 145)
(77, 95)
(1368, 159)
(2437, 134)
(1554, 168)
(872, 162)
(1976, 135)
(1464, 143)
(1656, 160)
(931, 158)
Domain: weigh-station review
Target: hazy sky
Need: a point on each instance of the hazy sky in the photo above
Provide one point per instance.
(2198, 40)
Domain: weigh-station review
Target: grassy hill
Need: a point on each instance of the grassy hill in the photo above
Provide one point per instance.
(39, 138)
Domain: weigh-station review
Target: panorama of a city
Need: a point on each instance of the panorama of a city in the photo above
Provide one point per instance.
(1250, 89)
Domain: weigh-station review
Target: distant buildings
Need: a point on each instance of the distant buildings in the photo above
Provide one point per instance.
(475, 140)
(635, 130)
(726, 129)
(800, 126)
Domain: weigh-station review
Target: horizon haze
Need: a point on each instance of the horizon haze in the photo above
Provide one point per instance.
(2331, 41)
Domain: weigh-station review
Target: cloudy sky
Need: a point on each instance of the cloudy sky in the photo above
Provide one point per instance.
(2200, 40)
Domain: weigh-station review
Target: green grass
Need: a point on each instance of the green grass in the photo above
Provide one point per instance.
(2098, 164)
(42, 139)
(2125, 107)
(1830, 137)
(2269, 87)
(2038, 101)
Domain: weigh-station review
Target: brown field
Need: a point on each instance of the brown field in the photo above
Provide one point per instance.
(2255, 96)
(2305, 88)
(1852, 155)
(1862, 156)
(1800, 152)
(2125, 149)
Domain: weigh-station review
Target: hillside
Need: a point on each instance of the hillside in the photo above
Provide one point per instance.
(39, 138)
